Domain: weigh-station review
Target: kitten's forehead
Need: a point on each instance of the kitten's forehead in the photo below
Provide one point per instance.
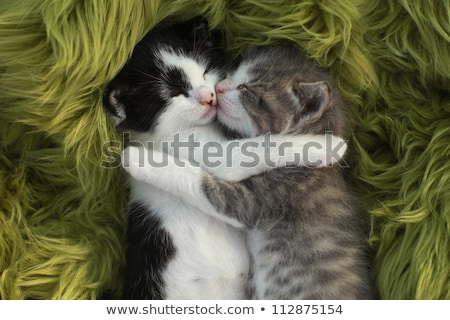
(252, 70)
(241, 75)
(193, 68)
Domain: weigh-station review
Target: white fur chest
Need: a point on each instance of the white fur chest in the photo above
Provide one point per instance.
(211, 259)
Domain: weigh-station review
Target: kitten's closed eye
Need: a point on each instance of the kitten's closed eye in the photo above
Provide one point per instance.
(176, 82)
(242, 87)
(175, 92)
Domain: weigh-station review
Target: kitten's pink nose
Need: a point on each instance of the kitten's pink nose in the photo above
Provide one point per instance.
(223, 86)
(205, 96)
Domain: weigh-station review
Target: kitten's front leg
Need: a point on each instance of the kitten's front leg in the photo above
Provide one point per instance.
(172, 175)
(198, 188)
(249, 157)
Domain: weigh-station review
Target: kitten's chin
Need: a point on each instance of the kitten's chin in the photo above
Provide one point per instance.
(209, 114)
(230, 123)
(207, 118)
(230, 134)
(226, 120)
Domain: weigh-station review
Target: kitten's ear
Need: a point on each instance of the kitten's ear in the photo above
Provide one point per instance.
(113, 104)
(200, 33)
(200, 28)
(314, 100)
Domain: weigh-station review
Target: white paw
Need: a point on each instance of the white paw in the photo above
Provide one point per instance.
(335, 148)
(323, 150)
(339, 149)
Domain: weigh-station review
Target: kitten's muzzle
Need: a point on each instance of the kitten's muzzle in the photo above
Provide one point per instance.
(223, 86)
(206, 96)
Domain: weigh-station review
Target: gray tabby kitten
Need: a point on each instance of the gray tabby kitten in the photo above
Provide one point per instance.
(305, 228)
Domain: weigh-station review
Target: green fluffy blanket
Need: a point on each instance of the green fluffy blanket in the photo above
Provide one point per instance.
(62, 221)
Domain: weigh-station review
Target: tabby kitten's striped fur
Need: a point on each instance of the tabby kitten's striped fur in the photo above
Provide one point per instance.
(306, 231)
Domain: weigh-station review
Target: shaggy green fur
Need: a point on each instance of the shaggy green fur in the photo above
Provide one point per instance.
(61, 214)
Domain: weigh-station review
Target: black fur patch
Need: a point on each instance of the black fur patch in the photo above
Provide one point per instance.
(149, 250)
(177, 82)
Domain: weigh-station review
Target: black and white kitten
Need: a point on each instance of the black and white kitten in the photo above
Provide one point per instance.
(305, 227)
(166, 93)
